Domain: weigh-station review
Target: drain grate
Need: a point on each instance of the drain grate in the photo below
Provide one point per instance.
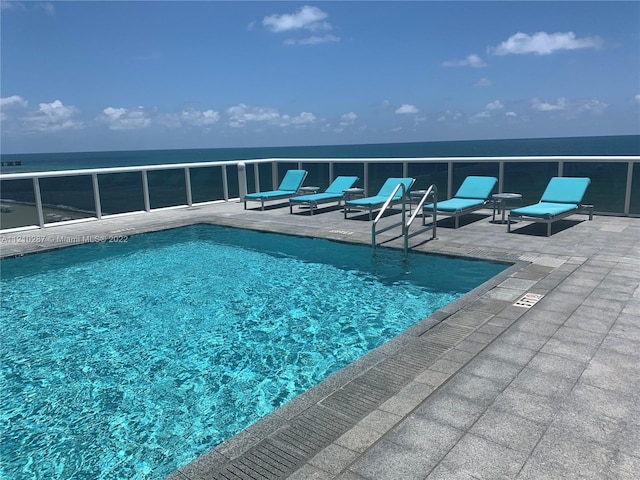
(528, 300)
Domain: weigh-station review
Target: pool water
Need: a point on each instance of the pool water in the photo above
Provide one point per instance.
(129, 360)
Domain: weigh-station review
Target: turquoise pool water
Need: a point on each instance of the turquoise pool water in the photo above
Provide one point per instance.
(128, 360)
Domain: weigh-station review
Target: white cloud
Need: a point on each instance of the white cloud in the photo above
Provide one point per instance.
(11, 103)
(495, 105)
(479, 116)
(315, 40)
(511, 114)
(52, 117)
(125, 119)
(483, 82)
(8, 5)
(348, 119)
(472, 60)
(540, 106)
(406, 108)
(305, 118)
(307, 17)
(591, 105)
(198, 118)
(13, 100)
(240, 114)
(571, 108)
(637, 97)
(542, 43)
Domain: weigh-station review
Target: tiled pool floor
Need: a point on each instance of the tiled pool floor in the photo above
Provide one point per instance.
(481, 389)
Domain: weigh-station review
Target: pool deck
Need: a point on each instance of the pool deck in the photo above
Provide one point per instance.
(481, 389)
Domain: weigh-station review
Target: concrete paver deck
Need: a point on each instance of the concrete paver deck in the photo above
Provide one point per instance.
(481, 389)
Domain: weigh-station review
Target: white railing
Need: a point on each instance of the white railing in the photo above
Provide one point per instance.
(632, 165)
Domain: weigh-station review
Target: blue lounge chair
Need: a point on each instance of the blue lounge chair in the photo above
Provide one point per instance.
(289, 186)
(377, 201)
(472, 195)
(333, 193)
(561, 198)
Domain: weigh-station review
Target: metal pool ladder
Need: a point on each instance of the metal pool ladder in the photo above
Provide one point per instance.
(431, 191)
(385, 206)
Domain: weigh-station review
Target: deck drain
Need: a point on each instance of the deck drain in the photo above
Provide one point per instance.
(528, 300)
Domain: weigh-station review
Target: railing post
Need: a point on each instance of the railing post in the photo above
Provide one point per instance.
(256, 177)
(500, 177)
(242, 180)
(449, 179)
(331, 177)
(225, 183)
(145, 191)
(36, 193)
(627, 192)
(274, 175)
(365, 166)
(187, 184)
(560, 168)
(96, 195)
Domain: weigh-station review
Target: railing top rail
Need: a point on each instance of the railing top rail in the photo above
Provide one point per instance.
(174, 166)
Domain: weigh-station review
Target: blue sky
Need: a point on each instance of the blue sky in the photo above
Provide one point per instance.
(121, 75)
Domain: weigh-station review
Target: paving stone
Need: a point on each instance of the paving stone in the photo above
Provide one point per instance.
(453, 410)
(501, 349)
(620, 376)
(592, 428)
(496, 370)
(556, 365)
(443, 473)
(544, 384)
(470, 346)
(333, 458)
(590, 400)
(623, 467)
(458, 356)
(310, 472)
(359, 438)
(390, 461)
(446, 366)
(584, 459)
(526, 340)
(478, 389)
(484, 459)
(540, 327)
(380, 420)
(433, 378)
(509, 430)
(577, 351)
(419, 432)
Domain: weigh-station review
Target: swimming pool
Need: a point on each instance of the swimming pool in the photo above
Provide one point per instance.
(128, 360)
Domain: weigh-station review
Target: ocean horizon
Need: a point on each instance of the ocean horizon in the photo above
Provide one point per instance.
(600, 145)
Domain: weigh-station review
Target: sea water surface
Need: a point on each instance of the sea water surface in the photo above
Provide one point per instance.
(606, 145)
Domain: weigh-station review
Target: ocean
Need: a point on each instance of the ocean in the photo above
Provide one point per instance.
(610, 145)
